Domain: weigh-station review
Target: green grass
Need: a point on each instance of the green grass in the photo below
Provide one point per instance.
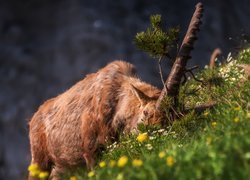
(211, 145)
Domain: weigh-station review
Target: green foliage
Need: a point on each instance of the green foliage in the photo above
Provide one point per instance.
(211, 145)
(155, 41)
(244, 56)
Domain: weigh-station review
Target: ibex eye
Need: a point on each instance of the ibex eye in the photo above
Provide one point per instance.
(145, 113)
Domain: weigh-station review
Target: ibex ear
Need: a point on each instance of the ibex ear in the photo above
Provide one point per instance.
(140, 95)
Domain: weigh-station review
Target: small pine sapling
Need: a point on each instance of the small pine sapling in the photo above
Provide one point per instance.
(157, 42)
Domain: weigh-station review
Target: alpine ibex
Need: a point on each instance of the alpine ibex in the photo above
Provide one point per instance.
(68, 130)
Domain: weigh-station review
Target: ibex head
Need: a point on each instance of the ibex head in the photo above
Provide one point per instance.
(136, 105)
(148, 114)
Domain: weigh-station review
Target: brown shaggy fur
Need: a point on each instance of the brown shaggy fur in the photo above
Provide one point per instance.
(67, 130)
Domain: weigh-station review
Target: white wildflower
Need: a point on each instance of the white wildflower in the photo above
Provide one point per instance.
(152, 137)
(149, 146)
(161, 130)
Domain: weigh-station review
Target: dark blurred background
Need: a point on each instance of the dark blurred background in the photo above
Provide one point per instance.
(48, 45)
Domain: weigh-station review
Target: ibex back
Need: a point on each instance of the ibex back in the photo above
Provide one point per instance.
(67, 130)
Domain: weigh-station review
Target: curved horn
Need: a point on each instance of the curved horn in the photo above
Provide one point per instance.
(178, 69)
(215, 54)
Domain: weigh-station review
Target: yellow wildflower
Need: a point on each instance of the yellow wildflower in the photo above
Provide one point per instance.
(33, 167)
(91, 174)
(72, 178)
(34, 170)
(214, 124)
(248, 115)
(43, 175)
(137, 162)
(170, 161)
(142, 137)
(102, 164)
(35, 173)
(237, 108)
(112, 163)
(205, 113)
(122, 161)
(236, 120)
(162, 154)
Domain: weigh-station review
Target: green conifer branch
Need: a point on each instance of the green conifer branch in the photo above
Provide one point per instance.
(155, 41)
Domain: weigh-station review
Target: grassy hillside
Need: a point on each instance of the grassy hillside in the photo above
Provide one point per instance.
(211, 145)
